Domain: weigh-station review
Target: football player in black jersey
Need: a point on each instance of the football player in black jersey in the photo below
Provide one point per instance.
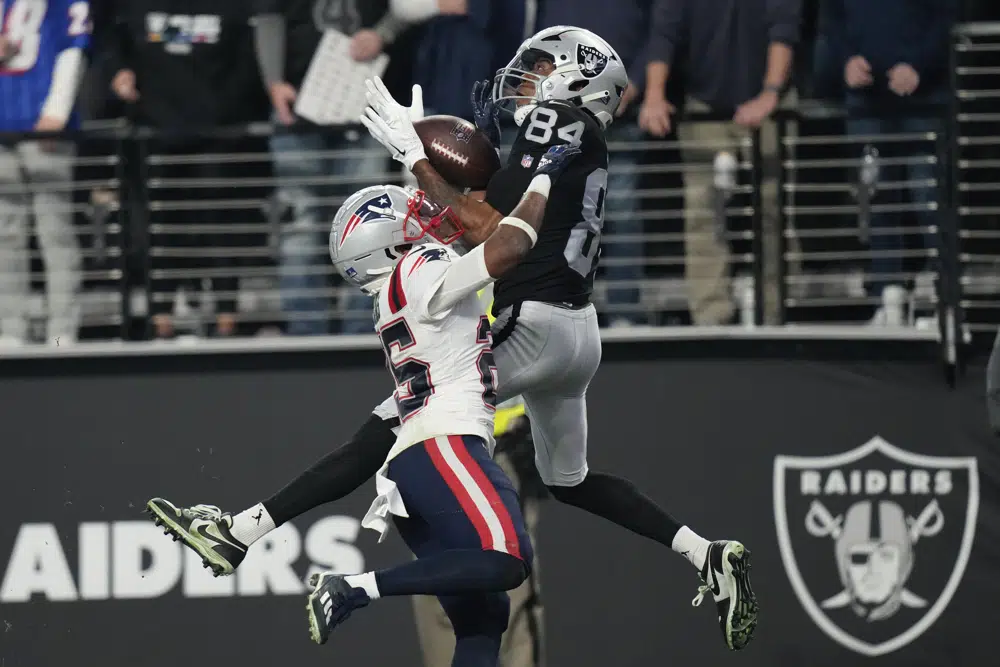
(562, 87)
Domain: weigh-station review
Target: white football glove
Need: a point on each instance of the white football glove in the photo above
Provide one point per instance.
(389, 122)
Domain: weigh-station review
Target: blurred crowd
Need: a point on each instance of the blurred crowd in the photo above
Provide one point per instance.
(230, 185)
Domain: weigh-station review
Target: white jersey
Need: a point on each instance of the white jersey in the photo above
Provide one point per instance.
(439, 350)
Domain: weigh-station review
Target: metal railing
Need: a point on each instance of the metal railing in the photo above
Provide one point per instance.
(975, 167)
(236, 221)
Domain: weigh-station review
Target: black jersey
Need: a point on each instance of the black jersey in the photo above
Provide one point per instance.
(560, 268)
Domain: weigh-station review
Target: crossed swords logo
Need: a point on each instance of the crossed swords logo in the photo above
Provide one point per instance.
(821, 523)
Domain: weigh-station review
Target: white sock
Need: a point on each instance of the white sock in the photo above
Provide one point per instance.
(691, 545)
(252, 524)
(365, 581)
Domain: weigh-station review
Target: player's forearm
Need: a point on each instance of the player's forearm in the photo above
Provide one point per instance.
(479, 219)
(517, 233)
(66, 77)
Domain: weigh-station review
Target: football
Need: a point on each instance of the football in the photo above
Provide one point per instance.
(458, 150)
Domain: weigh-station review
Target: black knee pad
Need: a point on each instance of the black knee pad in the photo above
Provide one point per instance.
(477, 614)
(511, 570)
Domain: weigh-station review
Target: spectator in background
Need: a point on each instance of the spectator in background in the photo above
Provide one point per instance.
(896, 55)
(41, 65)
(737, 56)
(287, 36)
(464, 41)
(186, 67)
(625, 25)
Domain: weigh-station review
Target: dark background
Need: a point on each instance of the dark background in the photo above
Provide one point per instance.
(91, 440)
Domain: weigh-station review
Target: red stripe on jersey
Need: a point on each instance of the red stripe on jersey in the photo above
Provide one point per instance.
(397, 298)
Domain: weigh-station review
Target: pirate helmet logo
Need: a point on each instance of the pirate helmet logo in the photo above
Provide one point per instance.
(590, 60)
(889, 506)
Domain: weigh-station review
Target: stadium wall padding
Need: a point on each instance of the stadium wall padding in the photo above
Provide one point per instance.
(801, 460)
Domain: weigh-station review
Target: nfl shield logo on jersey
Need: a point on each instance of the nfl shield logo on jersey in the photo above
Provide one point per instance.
(526, 160)
(875, 540)
(591, 61)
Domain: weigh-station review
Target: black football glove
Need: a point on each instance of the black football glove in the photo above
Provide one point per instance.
(556, 159)
(486, 113)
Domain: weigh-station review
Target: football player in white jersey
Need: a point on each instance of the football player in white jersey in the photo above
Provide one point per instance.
(452, 504)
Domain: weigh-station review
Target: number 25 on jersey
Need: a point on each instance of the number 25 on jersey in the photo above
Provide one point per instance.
(23, 22)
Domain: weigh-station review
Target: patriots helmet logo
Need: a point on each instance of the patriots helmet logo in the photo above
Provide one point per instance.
(373, 209)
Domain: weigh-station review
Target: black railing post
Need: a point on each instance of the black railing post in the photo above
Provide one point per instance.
(781, 221)
(949, 229)
(757, 245)
(142, 235)
(124, 240)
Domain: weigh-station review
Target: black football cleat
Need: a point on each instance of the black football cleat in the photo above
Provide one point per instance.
(203, 528)
(331, 603)
(726, 573)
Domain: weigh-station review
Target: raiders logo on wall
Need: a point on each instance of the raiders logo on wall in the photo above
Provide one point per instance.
(875, 540)
(591, 61)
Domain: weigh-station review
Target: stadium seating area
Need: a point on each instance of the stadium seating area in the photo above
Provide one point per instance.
(185, 231)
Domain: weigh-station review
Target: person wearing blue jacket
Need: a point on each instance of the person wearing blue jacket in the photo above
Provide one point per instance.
(464, 41)
(896, 55)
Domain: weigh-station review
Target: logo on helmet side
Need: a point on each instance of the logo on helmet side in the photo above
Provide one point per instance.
(892, 520)
(372, 209)
(591, 61)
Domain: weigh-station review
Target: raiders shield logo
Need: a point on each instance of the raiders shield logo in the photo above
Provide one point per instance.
(591, 61)
(875, 540)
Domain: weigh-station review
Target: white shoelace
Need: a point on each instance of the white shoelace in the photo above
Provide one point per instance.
(207, 512)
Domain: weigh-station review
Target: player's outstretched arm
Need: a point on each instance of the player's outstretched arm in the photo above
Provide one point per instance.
(515, 235)
(390, 124)
(479, 219)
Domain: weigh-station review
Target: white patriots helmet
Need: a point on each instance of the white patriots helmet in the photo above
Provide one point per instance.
(588, 73)
(374, 228)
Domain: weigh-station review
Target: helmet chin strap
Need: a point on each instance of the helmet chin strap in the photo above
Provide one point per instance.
(379, 276)
(372, 288)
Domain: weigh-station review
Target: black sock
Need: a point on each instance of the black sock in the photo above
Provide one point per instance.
(337, 474)
(618, 500)
(453, 572)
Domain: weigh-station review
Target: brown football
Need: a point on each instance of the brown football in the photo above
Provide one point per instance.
(461, 153)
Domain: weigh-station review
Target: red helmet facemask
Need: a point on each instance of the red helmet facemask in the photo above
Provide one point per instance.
(442, 224)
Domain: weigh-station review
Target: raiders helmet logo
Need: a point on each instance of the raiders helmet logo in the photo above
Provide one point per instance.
(854, 530)
(591, 61)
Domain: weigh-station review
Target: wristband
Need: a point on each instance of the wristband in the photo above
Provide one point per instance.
(540, 184)
(524, 227)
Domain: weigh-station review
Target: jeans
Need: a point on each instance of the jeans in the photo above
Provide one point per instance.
(886, 267)
(626, 271)
(313, 184)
